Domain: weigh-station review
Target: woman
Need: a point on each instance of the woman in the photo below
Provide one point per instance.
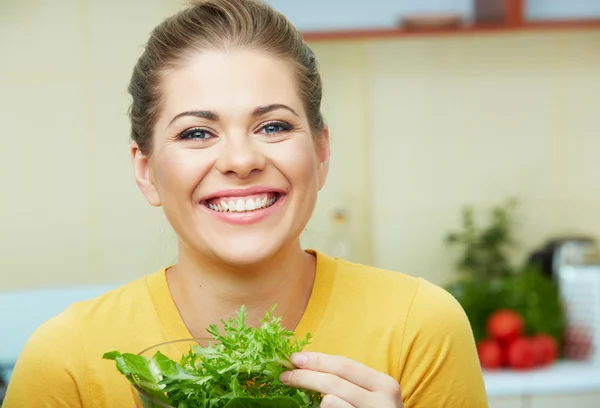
(229, 140)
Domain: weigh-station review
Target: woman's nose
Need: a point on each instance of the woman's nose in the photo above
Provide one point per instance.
(240, 156)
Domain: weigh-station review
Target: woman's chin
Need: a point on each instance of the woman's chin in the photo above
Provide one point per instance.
(246, 254)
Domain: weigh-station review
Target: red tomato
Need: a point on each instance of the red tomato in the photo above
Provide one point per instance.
(490, 354)
(545, 349)
(505, 326)
(521, 354)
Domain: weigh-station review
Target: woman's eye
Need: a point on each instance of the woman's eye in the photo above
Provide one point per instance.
(196, 133)
(275, 127)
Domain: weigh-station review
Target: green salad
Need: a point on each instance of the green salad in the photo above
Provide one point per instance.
(240, 370)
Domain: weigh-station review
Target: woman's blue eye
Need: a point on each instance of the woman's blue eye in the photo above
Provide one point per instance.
(200, 134)
(276, 127)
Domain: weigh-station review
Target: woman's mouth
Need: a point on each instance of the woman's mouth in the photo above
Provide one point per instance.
(246, 204)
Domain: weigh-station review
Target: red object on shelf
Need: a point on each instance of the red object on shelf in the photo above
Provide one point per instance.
(432, 21)
(503, 12)
(515, 12)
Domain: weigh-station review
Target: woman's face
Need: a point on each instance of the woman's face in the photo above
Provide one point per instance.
(234, 164)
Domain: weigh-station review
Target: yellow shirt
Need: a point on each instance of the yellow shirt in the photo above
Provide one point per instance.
(400, 325)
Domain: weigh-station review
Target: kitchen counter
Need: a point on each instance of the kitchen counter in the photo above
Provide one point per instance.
(564, 377)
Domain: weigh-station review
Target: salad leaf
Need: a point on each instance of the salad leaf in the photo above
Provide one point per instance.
(241, 370)
(280, 402)
(139, 370)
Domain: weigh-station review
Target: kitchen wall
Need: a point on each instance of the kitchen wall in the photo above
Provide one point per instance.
(419, 127)
(471, 120)
(71, 212)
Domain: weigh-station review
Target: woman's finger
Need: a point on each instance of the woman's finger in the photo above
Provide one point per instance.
(333, 401)
(348, 369)
(326, 383)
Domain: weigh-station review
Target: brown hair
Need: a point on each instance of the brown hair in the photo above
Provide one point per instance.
(218, 25)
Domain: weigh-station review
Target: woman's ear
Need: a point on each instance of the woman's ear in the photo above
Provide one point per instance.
(143, 175)
(323, 153)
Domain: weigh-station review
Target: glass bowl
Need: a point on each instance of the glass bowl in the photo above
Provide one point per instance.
(174, 350)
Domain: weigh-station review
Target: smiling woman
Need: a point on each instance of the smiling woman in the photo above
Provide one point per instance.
(228, 138)
(232, 129)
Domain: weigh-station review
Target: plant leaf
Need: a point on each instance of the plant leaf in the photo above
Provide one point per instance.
(278, 402)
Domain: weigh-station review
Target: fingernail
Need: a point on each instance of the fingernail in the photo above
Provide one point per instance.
(299, 359)
(285, 376)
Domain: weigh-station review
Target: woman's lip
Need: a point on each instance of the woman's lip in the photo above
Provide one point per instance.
(249, 217)
(242, 192)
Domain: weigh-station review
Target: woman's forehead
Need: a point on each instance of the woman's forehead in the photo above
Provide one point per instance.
(229, 80)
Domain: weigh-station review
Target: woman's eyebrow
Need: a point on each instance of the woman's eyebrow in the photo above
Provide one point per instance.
(261, 110)
(214, 117)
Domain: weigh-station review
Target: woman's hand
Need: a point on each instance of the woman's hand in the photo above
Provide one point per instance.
(344, 382)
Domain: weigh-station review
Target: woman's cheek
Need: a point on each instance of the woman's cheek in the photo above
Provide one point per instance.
(296, 159)
(182, 171)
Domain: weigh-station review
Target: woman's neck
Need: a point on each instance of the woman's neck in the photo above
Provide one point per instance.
(206, 292)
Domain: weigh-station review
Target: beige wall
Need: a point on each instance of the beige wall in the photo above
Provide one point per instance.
(419, 127)
(70, 211)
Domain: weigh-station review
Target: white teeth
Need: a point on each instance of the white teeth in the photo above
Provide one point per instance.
(240, 205)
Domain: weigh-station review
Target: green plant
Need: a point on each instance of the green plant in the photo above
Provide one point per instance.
(536, 297)
(489, 282)
(485, 249)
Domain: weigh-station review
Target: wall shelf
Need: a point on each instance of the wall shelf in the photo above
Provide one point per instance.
(469, 30)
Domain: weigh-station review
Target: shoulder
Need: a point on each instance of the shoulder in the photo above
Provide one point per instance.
(51, 356)
(435, 311)
(85, 319)
(368, 278)
(62, 352)
(417, 303)
(69, 325)
(394, 286)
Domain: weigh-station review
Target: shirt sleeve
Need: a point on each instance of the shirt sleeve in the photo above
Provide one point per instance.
(439, 364)
(50, 370)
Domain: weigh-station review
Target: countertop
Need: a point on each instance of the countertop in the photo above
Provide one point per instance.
(564, 377)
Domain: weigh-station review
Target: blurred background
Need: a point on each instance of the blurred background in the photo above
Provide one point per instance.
(436, 108)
